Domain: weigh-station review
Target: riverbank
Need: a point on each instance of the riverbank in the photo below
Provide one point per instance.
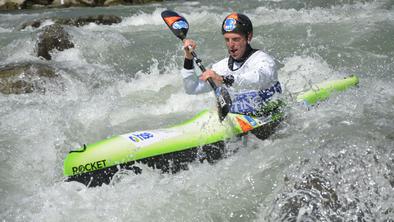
(13, 5)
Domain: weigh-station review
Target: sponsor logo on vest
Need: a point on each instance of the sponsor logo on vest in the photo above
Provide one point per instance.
(89, 167)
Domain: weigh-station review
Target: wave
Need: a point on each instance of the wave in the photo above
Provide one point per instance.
(357, 12)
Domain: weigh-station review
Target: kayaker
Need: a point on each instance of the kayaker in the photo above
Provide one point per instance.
(249, 74)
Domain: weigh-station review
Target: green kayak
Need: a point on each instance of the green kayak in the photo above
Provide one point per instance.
(201, 138)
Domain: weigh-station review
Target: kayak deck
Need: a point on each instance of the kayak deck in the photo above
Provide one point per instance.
(201, 138)
(169, 150)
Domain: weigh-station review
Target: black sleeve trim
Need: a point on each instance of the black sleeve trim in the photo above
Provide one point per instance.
(228, 80)
(188, 64)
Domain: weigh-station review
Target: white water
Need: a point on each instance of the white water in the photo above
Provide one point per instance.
(125, 77)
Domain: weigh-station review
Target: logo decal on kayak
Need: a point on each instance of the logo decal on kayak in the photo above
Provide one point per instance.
(144, 138)
(89, 167)
(245, 126)
(251, 120)
(138, 137)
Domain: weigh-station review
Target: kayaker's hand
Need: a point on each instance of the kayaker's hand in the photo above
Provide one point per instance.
(187, 43)
(218, 79)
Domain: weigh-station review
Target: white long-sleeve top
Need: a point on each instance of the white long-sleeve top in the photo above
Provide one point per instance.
(255, 81)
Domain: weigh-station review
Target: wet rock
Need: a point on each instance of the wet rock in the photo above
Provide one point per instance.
(66, 3)
(347, 185)
(315, 181)
(33, 24)
(71, 3)
(310, 195)
(79, 21)
(25, 78)
(128, 2)
(36, 3)
(389, 175)
(53, 37)
(98, 19)
(9, 5)
(113, 2)
(32, 4)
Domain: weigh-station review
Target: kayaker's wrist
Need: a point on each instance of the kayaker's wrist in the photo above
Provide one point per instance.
(188, 63)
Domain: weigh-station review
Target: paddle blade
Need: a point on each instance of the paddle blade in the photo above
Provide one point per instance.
(178, 24)
(224, 102)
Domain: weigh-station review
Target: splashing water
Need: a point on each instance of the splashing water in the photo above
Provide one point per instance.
(334, 162)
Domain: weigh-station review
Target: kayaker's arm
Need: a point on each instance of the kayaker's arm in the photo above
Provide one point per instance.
(193, 84)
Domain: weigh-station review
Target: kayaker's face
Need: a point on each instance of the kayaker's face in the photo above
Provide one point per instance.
(236, 44)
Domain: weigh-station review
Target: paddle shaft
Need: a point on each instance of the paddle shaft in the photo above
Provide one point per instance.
(201, 66)
(179, 26)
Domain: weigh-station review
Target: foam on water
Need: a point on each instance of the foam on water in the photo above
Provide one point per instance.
(110, 84)
(18, 50)
(339, 161)
(2, 30)
(143, 19)
(342, 13)
(301, 72)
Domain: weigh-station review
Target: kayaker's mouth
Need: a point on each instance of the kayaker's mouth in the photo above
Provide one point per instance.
(233, 52)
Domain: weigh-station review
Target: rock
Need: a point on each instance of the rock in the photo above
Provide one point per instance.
(34, 24)
(142, 1)
(65, 3)
(315, 193)
(79, 21)
(113, 2)
(25, 78)
(128, 2)
(53, 37)
(98, 19)
(34, 4)
(8, 6)
(315, 181)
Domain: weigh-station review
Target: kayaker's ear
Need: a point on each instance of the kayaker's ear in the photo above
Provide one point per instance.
(249, 37)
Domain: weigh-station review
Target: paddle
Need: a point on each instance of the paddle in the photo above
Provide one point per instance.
(179, 26)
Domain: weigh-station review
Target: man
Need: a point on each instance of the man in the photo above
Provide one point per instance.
(249, 74)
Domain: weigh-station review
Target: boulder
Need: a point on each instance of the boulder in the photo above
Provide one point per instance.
(65, 3)
(79, 21)
(8, 6)
(53, 37)
(315, 193)
(25, 78)
(11, 4)
(34, 4)
(34, 24)
(128, 2)
(142, 1)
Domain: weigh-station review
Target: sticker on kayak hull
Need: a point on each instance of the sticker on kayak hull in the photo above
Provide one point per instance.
(245, 126)
(138, 137)
(250, 120)
(146, 138)
(89, 167)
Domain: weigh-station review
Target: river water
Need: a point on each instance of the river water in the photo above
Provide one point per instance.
(333, 162)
